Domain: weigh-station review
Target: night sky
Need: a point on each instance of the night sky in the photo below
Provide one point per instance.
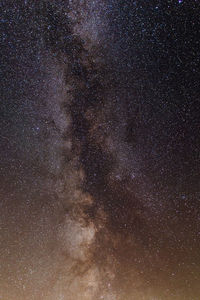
(100, 150)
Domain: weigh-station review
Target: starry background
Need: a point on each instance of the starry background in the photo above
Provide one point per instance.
(99, 156)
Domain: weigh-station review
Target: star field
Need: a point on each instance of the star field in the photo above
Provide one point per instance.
(99, 164)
